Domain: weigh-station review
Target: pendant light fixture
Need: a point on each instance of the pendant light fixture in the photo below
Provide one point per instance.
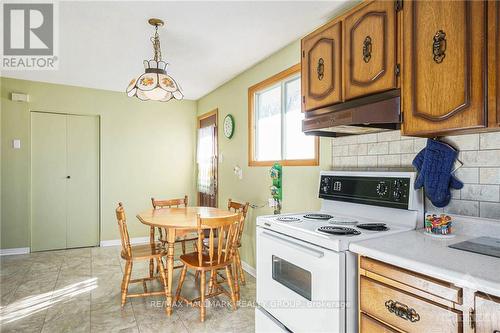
(155, 84)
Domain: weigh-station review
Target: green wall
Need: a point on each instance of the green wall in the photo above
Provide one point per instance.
(300, 184)
(147, 149)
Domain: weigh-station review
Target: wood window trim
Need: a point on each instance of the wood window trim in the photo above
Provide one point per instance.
(199, 119)
(251, 119)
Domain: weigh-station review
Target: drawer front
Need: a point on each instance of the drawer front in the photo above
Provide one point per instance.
(430, 285)
(487, 314)
(405, 311)
(370, 325)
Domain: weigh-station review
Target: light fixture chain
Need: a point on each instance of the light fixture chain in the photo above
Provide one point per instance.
(156, 45)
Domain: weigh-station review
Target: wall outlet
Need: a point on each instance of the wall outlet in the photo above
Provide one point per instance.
(238, 172)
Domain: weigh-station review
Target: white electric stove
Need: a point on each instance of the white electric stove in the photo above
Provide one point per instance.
(306, 275)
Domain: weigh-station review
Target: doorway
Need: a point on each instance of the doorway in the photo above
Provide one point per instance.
(64, 181)
(206, 159)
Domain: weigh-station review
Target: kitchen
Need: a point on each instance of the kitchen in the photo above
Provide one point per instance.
(384, 217)
(373, 79)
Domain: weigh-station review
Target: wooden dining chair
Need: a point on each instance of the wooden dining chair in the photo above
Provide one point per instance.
(138, 253)
(241, 208)
(219, 254)
(238, 270)
(182, 238)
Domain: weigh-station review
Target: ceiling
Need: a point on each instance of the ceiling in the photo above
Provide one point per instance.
(102, 44)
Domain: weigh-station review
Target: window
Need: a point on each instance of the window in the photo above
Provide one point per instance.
(275, 123)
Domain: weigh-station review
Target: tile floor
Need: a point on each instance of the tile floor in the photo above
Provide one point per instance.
(79, 291)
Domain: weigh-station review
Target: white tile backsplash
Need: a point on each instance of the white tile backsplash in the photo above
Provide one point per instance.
(489, 176)
(480, 173)
(481, 192)
(490, 140)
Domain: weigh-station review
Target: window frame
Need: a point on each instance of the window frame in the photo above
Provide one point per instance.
(262, 86)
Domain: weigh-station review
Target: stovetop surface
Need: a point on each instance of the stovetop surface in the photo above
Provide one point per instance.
(299, 226)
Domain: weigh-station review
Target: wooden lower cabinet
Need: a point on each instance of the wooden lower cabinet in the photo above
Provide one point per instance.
(369, 324)
(487, 314)
(394, 299)
(406, 311)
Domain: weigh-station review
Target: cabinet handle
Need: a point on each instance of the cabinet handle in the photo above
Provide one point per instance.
(367, 49)
(439, 46)
(402, 310)
(472, 318)
(321, 68)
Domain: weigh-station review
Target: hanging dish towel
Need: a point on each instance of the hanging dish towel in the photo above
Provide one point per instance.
(434, 164)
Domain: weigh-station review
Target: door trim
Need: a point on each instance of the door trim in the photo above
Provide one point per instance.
(99, 180)
(198, 120)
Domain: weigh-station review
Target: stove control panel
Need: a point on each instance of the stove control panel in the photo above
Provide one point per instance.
(378, 191)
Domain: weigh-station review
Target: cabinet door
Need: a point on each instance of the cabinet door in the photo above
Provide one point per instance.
(487, 314)
(370, 49)
(321, 68)
(494, 63)
(370, 325)
(443, 66)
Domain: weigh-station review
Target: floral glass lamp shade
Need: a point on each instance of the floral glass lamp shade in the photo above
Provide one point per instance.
(155, 84)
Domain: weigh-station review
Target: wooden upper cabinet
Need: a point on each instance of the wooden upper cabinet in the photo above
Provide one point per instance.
(443, 66)
(321, 67)
(494, 63)
(370, 49)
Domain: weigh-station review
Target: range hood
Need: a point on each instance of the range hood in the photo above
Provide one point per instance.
(371, 114)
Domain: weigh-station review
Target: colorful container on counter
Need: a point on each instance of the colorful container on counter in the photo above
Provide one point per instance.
(438, 224)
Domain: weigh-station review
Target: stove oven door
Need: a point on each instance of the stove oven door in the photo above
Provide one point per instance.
(300, 284)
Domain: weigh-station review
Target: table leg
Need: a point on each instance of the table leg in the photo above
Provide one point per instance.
(170, 267)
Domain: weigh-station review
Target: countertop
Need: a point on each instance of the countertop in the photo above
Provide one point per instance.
(431, 256)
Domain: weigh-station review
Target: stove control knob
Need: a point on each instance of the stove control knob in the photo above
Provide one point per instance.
(381, 189)
(398, 183)
(397, 195)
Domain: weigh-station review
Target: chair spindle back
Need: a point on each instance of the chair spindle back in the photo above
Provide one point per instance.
(222, 237)
(169, 203)
(122, 225)
(240, 208)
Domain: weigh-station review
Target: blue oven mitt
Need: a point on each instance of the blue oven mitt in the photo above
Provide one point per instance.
(435, 163)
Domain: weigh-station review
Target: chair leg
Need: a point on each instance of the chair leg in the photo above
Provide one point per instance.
(235, 275)
(151, 268)
(231, 287)
(181, 282)
(183, 244)
(202, 297)
(125, 281)
(239, 268)
(163, 275)
(211, 282)
(196, 276)
(151, 241)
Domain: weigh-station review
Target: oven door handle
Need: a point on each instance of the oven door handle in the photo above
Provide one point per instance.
(295, 245)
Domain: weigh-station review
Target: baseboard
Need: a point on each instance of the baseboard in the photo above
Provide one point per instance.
(10, 252)
(117, 242)
(249, 269)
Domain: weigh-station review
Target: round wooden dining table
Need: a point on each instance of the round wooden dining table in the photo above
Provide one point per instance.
(177, 222)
